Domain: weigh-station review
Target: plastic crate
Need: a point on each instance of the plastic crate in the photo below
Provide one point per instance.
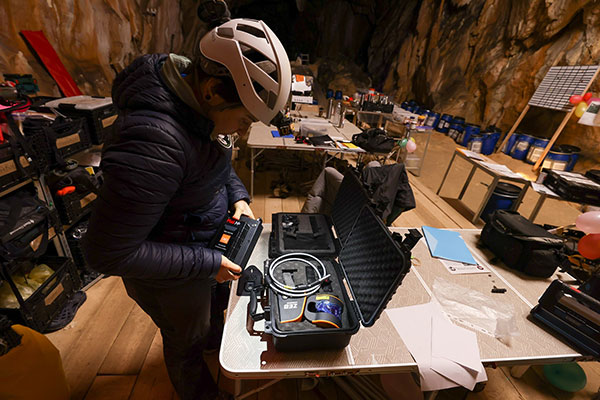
(71, 136)
(99, 113)
(71, 207)
(10, 174)
(47, 301)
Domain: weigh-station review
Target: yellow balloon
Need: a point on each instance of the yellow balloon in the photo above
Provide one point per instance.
(580, 109)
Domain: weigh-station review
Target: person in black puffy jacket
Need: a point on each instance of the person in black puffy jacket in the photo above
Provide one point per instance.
(168, 184)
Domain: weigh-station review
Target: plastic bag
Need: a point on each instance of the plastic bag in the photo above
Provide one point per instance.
(473, 308)
(26, 285)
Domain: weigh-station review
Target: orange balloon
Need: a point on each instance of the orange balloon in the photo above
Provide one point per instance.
(575, 99)
(589, 246)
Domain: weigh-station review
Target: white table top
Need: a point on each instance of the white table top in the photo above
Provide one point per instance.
(379, 349)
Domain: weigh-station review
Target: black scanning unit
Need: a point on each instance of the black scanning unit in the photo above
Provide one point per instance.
(236, 238)
(572, 314)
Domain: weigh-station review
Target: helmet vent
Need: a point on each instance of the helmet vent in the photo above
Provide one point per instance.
(251, 30)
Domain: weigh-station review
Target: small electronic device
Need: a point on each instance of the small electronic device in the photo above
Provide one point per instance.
(572, 314)
(236, 238)
(325, 310)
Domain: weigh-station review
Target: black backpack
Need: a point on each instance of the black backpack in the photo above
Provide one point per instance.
(522, 245)
(374, 140)
(24, 224)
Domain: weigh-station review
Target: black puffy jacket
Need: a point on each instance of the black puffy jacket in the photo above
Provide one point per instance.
(166, 189)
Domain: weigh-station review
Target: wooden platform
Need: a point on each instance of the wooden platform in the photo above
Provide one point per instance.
(112, 350)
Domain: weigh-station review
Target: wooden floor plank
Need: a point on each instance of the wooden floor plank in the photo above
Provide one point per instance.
(64, 338)
(113, 387)
(498, 386)
(89, 350)
(153, 381)
(128, 352)
(530, 386)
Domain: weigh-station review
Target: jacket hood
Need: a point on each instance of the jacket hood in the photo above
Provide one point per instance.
(140, 87)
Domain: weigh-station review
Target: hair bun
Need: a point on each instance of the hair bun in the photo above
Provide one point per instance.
(213, 12)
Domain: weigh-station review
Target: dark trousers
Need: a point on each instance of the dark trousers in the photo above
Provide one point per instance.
(184, 315)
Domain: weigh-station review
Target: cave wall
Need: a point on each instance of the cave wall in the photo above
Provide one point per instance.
(483, 59)
(93, 38)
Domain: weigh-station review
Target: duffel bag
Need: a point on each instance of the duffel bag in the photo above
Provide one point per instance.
(522, 245)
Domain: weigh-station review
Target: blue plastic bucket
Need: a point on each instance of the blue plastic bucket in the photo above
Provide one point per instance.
(475, 143)
(536, 149)
(489, 140)
(521, 147)
(503, 198)
(510, 143)
(470, 129)
(456, 127)
(404, 105)
(557, 160)
(432, 119)
(574, 151)
(443, 124)
(329, 93)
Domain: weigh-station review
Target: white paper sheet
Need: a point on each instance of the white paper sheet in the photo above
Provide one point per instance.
(472, 154)
(446, 355)
(538, 187)
(457, 268)
(501, 169)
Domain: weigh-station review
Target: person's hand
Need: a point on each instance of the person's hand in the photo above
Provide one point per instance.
(226, 271)
(242, 207)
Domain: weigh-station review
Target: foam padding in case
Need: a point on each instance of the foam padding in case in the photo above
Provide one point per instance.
(350, 199)
(374, 265)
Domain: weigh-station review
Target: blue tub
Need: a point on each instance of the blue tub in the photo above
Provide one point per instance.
(443, 124)
(489, 141)
(574, 151)
(503, 198)
(510, 143)
(521, 147)
(536, 149)
(557, 160)
(475, 143)
(470, 129)
(456, 127)
(432, 119)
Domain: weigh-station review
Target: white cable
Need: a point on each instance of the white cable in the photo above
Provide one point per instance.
(302, 290)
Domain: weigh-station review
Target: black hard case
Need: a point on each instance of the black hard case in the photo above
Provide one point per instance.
(371, 265)
(573, 186)
(350, 199)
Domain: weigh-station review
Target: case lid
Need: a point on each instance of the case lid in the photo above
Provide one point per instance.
(374, 265)
(84, 103)
(350, 199)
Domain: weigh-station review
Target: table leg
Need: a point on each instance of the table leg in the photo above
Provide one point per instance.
(253, 391)
(486, 198)
(251, 173)
(537, 207)
(464, 188)
(520, 198)
(518, 371)
(446, 173)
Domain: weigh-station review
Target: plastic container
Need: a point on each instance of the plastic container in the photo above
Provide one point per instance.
(490, 140)
(329, 94)
(507, 148)
(521, 147)
(574, 151)
(465, 137)
(339, 95)
(503, 198)
(456, 127)
(475, 143)
(432, 119)
(444, 122)
(536, 149)
(557, 160)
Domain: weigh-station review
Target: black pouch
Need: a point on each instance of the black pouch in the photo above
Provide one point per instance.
(522, 245)
(374, 140)
(25, 222)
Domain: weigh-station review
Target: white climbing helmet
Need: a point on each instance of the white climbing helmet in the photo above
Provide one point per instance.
(249, 52)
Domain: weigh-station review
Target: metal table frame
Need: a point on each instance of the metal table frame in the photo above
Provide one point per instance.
(497, 177)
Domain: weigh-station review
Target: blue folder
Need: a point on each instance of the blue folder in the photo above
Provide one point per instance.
(448, 245)
(277, 134)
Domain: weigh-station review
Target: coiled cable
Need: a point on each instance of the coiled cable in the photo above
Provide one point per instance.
(300, 290)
